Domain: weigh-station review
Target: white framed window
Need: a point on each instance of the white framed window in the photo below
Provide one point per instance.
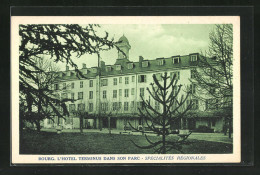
(192, 73)
(133, 78)
(72, 96)
(145, 64)
(120, 92)
(126, 92)
(115, 81)
(108, 68)
(141, 78)
(90, 94)
(114, 93)
(72, 107)
(90, 83)
(72, 85)
(160, 62)
(120, 79)
(80, 95)
(193, 58)
(125, 106)
(81, 84)
(118, 67)
(130, 65)
(104, 94)
(126, 80)
(142, 92)
(114, 106)
(133, 91)
(90, 107)
(176, 60)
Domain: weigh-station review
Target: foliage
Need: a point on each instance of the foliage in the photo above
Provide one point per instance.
(159, 121)
(215, 74)
(58, 43)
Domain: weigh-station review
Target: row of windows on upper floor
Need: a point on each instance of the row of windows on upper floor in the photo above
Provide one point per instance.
(141, 79)
(116, 92)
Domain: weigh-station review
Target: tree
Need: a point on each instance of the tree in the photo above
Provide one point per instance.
(159, 121)
(59, 43)
(82, 114)
(214, 75)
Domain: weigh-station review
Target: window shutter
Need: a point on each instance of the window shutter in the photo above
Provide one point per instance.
(145, 78)
(139, 78)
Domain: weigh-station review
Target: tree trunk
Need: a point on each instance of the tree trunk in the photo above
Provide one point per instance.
(230, 127)
(81, 124)
(38, 126)
(109, 127)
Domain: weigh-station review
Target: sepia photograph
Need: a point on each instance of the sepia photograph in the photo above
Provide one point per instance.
(125, 90)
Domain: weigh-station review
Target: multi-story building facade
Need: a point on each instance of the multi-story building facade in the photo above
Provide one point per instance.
(115, 90)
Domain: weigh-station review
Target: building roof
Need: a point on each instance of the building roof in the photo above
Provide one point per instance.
(123, 39)
(153, 65)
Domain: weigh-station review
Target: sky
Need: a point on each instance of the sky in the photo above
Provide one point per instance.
(153, 41)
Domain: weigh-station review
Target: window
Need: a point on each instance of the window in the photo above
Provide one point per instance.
(195, 104)
(56, 86)
(64, 95)
(157, 105)
(64, 85)
(114, 93)
(90, 94)
(132, 104)
(130, 65)
(72, 85)
(145, 64)
(120, 79)
(104, 106)
(90, 83)
(141, 78)
(126, 92)
(71, 107)
(94, 69)
(108, 68)
(81, 84)
(176, 60)
(104, 82)
(193, 88)
(104, 94)
(80, 95)
(115, 81)
(81, 107)
(126, 80)
(192, 73)
(90, 107)
(142, 92)
(120, 92)
(133, 91)
(160, 62)
(177, 74)
(140, 105)
(119, 105)
(175, 90)
(72, 96)
(118, 67)
(193, 58)
(125, 106)
(133, 78)
(114, 106)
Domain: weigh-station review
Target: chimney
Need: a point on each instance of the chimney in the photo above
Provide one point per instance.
(102, 64)
(84, 66)
(67, 68)
(140, 60)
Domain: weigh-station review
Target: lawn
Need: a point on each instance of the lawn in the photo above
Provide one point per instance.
(101, 143)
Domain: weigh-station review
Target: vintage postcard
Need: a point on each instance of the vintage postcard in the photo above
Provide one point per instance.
(132, 89)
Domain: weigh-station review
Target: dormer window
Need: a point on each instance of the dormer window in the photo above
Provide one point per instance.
(118, 67)
(61, 74)
(176, 60)
(130, 65)
(145, 64)
(193, 58)
(94, 69)
(108, 68)
(161, 62)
